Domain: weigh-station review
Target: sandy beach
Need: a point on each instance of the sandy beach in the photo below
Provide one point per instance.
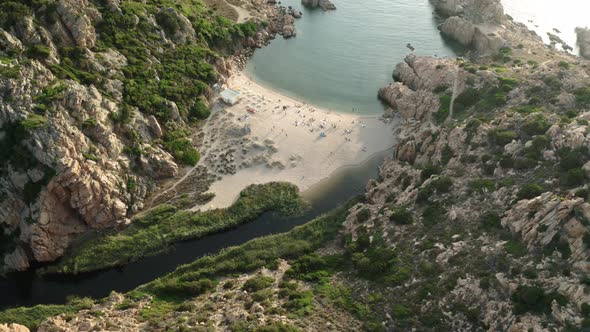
(281, 139)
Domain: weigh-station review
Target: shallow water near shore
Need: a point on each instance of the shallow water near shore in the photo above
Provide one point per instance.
(339, 59)
(26, 289)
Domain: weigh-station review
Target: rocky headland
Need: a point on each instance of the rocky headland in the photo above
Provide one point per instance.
(479, 222)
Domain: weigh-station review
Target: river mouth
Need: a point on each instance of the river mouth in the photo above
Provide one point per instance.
(27, 289)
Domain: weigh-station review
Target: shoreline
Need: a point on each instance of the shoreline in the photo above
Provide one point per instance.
(241, 148)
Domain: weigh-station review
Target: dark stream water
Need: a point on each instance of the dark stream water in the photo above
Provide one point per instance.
(26, 289)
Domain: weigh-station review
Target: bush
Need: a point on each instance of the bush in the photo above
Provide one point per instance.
(534, 299)
(442, 185)
(400, 311)
(583, 96)
(433, 214)
(503, 137)
(564, 64)
(428, 171)
(482, 186)
(490, 221)
(38, 51)
(446, 155)
(309, 268)
(401, 216)
(12, 13)
(257, 283)
(199, 111)
(515, 248)
(182, 149)
(574, 177)
(363, 215)
(168, 21)
(529, 191)
(536, 125)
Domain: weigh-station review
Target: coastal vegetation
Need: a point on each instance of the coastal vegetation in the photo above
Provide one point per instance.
(170, 292)
(157, 229)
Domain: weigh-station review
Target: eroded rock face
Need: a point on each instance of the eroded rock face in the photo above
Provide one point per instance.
(76, 24)
(584, 41)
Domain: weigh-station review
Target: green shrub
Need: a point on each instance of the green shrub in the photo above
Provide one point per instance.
(515, 248)
(482, 186)
(400, 311)
(534, 299)
(199, 111)
(490, 221)
(572, 159)
(401, 216)
(503, 137)
(574, 177)
(536, 125)
(168, 21)
(434, 214)
(309, 268)
(182, 149)
(529, 191)
(564, 64)
(12, 13)
(428, 171)
(442, 185)
(363, 215)
(524, 163)
(257, 283)
(446, 155)
(583, 96)
(39, 51)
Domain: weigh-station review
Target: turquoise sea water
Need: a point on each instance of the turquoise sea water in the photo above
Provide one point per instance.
(341, 58)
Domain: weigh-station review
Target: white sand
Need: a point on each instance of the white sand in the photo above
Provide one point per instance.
(294, 137)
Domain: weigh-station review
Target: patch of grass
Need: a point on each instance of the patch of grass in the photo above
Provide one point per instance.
(33, 121)
(161, 227)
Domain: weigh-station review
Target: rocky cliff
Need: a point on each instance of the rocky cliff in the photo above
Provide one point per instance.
(98, 104)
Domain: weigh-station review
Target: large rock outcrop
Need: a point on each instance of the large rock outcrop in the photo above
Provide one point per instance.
(474, 24)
